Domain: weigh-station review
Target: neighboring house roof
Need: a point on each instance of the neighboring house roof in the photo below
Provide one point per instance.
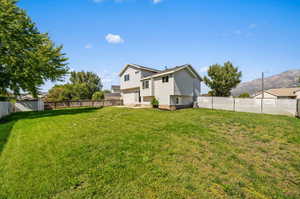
(175, 69)
(281, 92)
(112, 96)
(138, 67)
(115, 87)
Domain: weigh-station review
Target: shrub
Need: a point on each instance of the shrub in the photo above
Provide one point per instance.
(155, 103)
(244, 95)
(99, 95)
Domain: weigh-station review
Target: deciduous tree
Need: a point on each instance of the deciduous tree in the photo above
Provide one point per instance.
(88, 79)
(27, 57)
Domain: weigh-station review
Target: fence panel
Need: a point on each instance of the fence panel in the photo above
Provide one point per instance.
(23, 106)
(76, 104)
(6, 108)
(268, 106)
(223, 103)
(248, 105)
(281, 107)
(205, 102)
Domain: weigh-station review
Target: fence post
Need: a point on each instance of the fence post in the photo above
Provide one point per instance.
(298, 108)
(262, 105)
(212, 103)
(234, 104)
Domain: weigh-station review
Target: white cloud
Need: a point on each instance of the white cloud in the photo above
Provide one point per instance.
(88, 46)
(252, 26)
(114, 39)
(237, 32)
(204, 69)
(156, 1)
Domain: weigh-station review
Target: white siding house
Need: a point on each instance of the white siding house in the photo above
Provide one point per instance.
(279, 93)
(177, 87)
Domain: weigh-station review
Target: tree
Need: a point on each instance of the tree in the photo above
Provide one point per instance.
(88, 79)
(222, 79)
(27, 57)
(244, 95)
(81, 86)
(59, 93)
(97, 96)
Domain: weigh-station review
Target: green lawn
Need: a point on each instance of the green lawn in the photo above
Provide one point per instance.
(143, 153)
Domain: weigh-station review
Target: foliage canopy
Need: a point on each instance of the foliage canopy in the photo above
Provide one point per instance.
(83, 85)
(222, 79)
(27, 57)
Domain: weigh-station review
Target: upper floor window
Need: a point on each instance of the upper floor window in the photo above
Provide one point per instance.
(126, 77)
(165, 79)
(145, 84)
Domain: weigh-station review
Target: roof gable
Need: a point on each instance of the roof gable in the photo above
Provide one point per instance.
(187, 67)
(137, 67)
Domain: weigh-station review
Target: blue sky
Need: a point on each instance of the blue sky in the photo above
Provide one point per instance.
(104, 35)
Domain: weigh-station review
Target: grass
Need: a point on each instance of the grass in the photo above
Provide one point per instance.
(140, 153)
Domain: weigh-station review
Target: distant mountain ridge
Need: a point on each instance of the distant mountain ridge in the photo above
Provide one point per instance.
(288, 79)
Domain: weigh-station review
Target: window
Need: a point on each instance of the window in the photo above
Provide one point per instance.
(177, 100)
(145, 84)
(165, 79)
(126, 78)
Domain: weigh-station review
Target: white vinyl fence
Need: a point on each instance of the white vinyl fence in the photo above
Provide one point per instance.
(7, 108)
(268, 106)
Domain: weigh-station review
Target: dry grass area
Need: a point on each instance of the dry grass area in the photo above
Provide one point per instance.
(145, 153)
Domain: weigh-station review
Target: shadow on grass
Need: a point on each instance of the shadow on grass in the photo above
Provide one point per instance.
(7, 123)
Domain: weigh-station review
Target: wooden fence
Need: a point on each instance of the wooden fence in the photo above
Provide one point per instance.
(87, 103)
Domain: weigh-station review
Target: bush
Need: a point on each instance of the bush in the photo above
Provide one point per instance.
(99, 95)
(155, 103)
(244, 95)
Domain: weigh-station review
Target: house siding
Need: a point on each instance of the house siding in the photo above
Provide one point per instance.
(163, 91)
(266, 96)
(184, 83)
(134, 78)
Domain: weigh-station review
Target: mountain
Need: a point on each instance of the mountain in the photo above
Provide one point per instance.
(286, 79)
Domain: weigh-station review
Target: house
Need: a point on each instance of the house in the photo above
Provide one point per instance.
(115, 89)
(279, 93)
(115, 93)
(174, 88)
